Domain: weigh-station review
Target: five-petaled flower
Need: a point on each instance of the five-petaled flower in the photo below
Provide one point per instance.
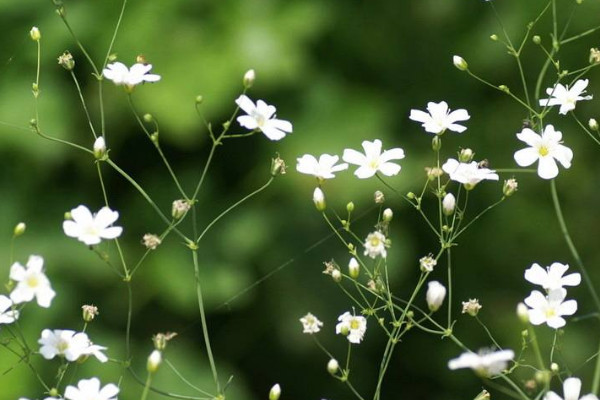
(438, 118)
(374, 160)
(323, 168)
(129, 77)
(550, 309)
(91, 229)
(485, 363)
(375, 245)
(564, 97)
(547, 149)
(571, 390)
(31, 282)
(68, 344)
(90, 389)
(310, 324)
(352, 326)
(469, 174)
(262, 117)
(552, 277)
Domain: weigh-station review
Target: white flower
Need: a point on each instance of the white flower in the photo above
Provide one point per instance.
(436, 292)
(439, 118)
(323, 168)
(7, 314)
(374, 160)
(564, 97)
(571, 390)
(546, 148)
(91, 229)
(484, 363)
(352, 326)
(375, 245)
(262, 117)
(68, 344)
(427, 263)
(129, 77)
(550, 309)
(469, 174)
(311, 324)
(31, 282)
(552, 277)
(89, 389)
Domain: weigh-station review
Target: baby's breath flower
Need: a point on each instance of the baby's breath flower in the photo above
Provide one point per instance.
(510, 187)
(68, 344)
(99, 148)
(275, 392)
(319, 199)
(438, 118)
(469, 174)
(89, 312)
(35, 34)
(427, 263)
(91, 229)
(460, 62)
(31, 282)
(90, 389)
(262, 117)
(249, 78)
(310, 324)
(379, 197)
(151, 241)
(179, 208)
(571, 391)
(564, 97)
(374, 160)
(550, 309)
(351, 326)
(485, 363)
(66, 61)
(545, 148)
(471, 307)
(129, 77)
(375, 245)
(552, 277)
(333, 366)
(323, 168)
(154, 361)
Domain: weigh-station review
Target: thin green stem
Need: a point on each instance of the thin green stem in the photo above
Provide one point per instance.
(596, 381)
(85, 109)
(114, 36)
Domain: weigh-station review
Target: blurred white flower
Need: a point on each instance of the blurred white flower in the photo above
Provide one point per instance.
(564, 97)
(375, 245)
(552, 277)
(91, 229)
(571, 390)
(469, 174)
(31, 282)
(352, 326)
(547, 149)
(310, 324)
(7, 314)
(322, 168)
(550, 309)
(374, 160)
(436, 292)
(438, 117)
(485, 363)
(262, 117)
(129, 77)
(68, 344)
(88, 389)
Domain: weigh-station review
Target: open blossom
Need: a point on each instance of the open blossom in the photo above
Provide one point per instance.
(129, 77)
(485, 363)
(68, 344)
(88, 389)
(7, 314)
(310, 324)
(91, 229)
(31, 282)
(262, 117)
(323, 168)
(438, 118)
(374, 160)
(550, 309)
(353, 326)
(375, 245)
(571, 391)
(564, 97)
(552, 277)
(547, 149)
(469, 174)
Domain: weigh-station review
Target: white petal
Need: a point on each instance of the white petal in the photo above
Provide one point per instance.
(109, 391)
(281, 124)
(564, 155)
(364, 172)
(573, 279)
(247, 122)
(111, 233)
(419, 116)
(354, 157)
(389, 169)
(536, 275)
(552, 396)
(530, 137)
(459, 115)
(245, 104)
(526, 157)
(105, 217)
(569, 307)
(547, 168)
(392, 154)
(457, 128)
(81, 215)
(272, 132)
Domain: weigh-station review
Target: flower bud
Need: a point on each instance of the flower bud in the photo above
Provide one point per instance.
(277, 166)
(275, 392)
(594, 55)
(19, 229)
(448, 204)
(554, 368)
(510, 187)
(199, 99)
(504, 88)
(89, 312)
(160, 340)
(249, 78)
(483, 395)
(66, 61)
(427, 263)
(154, 360)
(523, 313)
(100, 148)
(319, 199)
(433, 173)
(353, 268)
(388, 214)
(460, 63)
(466, 155)
(471, 307)
(150, 241)
(180, 208)
(35, 34)
(333, 366)
(436, 292)
(536, 39)
(593, 124)
(148, 118)
(350, 207)
(436, 143)
(494, 37)
(379, 197)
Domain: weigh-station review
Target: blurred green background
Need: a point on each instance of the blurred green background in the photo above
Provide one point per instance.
(341, 72)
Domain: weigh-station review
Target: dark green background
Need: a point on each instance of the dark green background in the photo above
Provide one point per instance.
(341, 72)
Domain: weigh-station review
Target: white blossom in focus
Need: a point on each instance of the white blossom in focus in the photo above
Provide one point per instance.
(375, 245)
(310, 324)
(552, 277)
(353, 326)
(7, 314)
(571, 391)
(31, 282)
(68, 344)
(469, 174)
(89, 389)
(129, 77)
(374, 160)
(91, 229)
(323, 168)
(564, 97)
(438, 117)
(262, 117)
(485, 363)
(545, 148)
(550, 309)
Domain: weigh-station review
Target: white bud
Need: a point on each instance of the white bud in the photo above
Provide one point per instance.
(593, 124)
(99, 148)
(249, 78)
(353, 268)
(448, 204)
(523, 313)
(319, 199)
(436, 292)
(35, 34)
(388, 214)
(275, 392)
(460, 63)
(336, 275)
(333, 366)
(154, 360)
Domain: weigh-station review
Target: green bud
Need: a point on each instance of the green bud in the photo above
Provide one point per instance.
(504, 88)
(89, 312)
(460, 63)
(35, 34)
(436, 143)
(536, 39)
(199, 99)
(494, 37)
(333, 366)
(19, 229)
(350, 207)
(148, 118)
(249, 78)
(277, 166)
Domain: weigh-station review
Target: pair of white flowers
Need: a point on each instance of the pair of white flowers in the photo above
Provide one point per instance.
(68, 344)
(350, 325)
(87, 389)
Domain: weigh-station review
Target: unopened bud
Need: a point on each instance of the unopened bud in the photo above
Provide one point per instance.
(249, 78)
(536, 39)
(504, 88)
(154, 360)
(66, 61)
(336, 275)
(148, 118)
(100, 148)
(494, 37)
(593, 124)
(19, 229)
(333, 366)
(319, 199)
(433, 173)
(471, 307)
(89, 312)
(460, 63)
(350, 207)
(277, 166)
(388, 214)
(35, 34)
(523, 313)
(510, 187)
(554, 368)
(353, 268)
(466, 155)
(483, 395)
(199, 99)
(436, 143)
(448, 204)
(180, 208)
(436, 292)
(379, 197)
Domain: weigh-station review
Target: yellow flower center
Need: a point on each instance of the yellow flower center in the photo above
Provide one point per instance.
(33, 281)
(543, 151)
(550, 312)
(354, 324)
